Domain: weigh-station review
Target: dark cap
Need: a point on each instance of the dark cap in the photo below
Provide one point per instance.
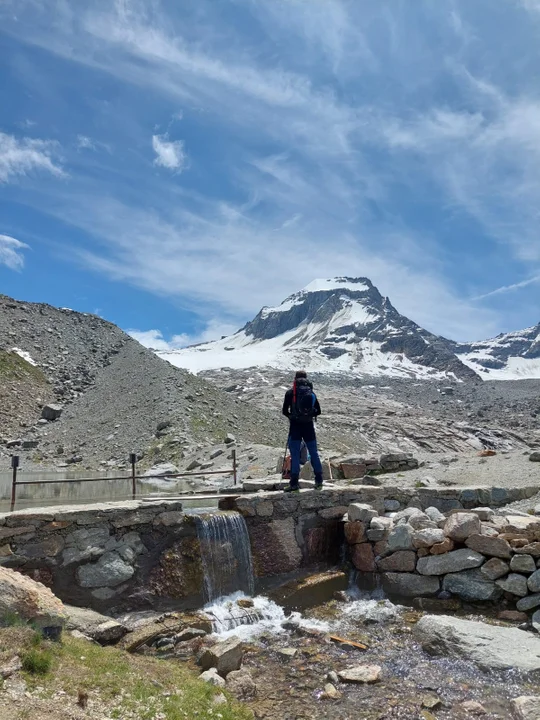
(300, 374)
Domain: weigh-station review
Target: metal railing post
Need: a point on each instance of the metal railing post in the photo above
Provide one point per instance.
(14, 465)
(133, 460)
(235, 466)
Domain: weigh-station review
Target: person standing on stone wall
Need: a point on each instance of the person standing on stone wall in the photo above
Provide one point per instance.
(302, 408)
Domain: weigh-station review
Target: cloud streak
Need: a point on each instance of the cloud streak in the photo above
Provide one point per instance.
(24, 156)
(11, 252)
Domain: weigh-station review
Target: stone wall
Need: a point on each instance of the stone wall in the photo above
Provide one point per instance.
(131, 554)
(290, 531)
(475, 556)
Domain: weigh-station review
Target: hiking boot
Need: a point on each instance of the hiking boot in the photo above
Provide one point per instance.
(318, 486)
(292, 489)
(318, 482)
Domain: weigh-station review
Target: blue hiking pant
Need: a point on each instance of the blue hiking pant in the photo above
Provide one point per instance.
(306, 434)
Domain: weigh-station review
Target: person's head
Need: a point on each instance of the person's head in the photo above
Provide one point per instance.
(300, 375)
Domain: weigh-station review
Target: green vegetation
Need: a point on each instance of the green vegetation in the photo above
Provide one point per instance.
(14, 367)
(124, 684)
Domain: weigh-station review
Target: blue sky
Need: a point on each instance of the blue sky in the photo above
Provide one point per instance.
(174, 166)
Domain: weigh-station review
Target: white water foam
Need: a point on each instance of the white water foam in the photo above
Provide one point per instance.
(229, 619)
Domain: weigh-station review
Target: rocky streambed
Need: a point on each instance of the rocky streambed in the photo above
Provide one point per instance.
(358, 655)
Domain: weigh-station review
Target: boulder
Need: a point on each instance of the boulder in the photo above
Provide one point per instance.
(30, 601)
(461, 525)
(421, 522)
(394, 505)
(241, 684)
(534, 582)
(451, 562)
(523, 564)
(526, 707)
(361, 512)
(51, 412)
(361, 674)
(400, 561)
(490, 646)
(514, 584)
(212, 677)
(471, 585)
(362, 557)
(495, 568)
(428, 537)
(110, 570)
(379, 528)
(535, 456)
(435, 515)
(101, 628)
(225, 656)
(528, 603)
(409, 585)
(492, 546)
(529, 549)
(400, 537)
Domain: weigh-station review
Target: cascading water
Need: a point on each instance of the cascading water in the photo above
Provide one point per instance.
(226, 555)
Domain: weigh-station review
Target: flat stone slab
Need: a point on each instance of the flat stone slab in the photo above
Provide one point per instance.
(99, 627)
(489, 646)
(361, 674)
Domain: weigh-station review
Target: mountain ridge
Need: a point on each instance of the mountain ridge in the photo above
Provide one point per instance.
(344, 324)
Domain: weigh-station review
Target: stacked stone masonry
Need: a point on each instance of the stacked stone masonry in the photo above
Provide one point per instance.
(111, 555)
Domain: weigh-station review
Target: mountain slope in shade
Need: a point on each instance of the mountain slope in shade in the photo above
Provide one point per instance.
(509, 356)
(336, 325)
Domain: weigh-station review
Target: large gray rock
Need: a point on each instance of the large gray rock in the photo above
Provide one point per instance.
(461, 525)
(409, 585)
(535, 456)
(110, 570)
(451, 562)
(428, 537)
(528, 603)
(85, 544)
(523, 564)
(435, 515)
(490, 646)
(51, 412)
(514, 584)
(526, 707)
(471, 585)
(100, 628)
(225, 656)
(495, 568)
(492, 546)
(400, 537)
(534, 582)
(361, 674)
(361, 512)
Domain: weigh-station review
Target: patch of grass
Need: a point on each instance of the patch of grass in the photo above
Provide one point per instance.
(14, 367)
(130, 685)
(37, 661)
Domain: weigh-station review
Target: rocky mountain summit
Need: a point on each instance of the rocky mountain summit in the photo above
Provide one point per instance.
(345, 325)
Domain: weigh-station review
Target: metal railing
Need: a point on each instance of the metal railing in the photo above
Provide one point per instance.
(15, 483)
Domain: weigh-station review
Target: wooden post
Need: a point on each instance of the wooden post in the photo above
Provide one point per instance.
(133, 460)
(14, 465)
(235, 466)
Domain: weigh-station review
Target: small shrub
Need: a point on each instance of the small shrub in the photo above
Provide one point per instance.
(37, 662)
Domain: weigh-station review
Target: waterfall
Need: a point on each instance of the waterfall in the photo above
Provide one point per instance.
(226, 555)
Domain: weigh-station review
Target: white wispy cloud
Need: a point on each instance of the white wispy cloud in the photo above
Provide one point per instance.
(22, 156)
(11, 252)
(169, 153)
(155, 340)
(509, 288)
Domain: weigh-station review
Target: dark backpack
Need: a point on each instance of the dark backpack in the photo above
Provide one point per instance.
(303, 402)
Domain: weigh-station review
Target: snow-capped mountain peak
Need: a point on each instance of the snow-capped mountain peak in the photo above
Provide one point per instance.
(333, 325)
